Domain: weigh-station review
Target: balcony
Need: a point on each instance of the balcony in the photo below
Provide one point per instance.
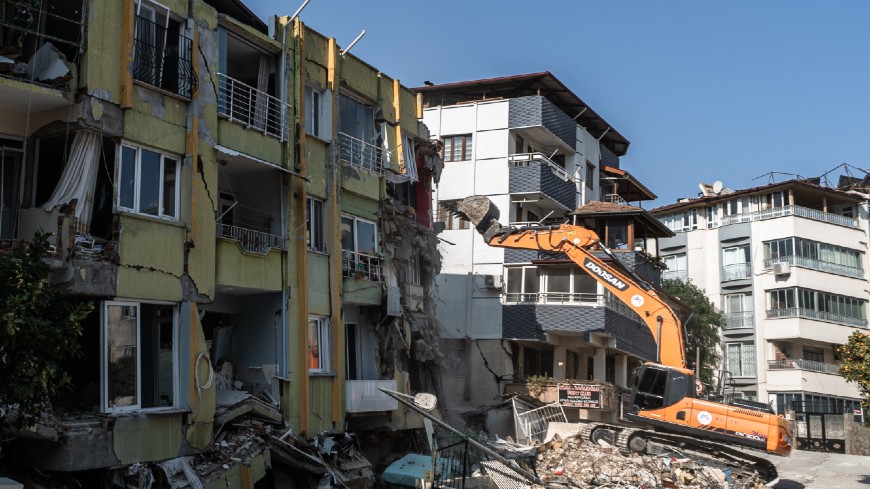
(736, 271)
(801, 312)
(250, 240)
(738, 320)
(252, 108)
(789, 210)
(362, 266)
(363, 155)
(162, 57)
(535, 173)
(681, 275)
(813, 264)
(364, 396)
(808, 365)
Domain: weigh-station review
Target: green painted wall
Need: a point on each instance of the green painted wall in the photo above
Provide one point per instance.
(249, 141)
(147, 438)
(101, 68)
(157, 121)
(360, 291)
(316, 48)
(151, 259)
(237, 268)
(318, 283)
(359, 206)
(359, 77)
(316, 153)
(321, 404)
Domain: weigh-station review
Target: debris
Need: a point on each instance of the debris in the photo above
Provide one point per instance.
(49, 64)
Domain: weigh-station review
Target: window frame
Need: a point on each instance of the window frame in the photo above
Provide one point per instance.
(590, 175)
(314, 239)
(318, 114)
(743, 345)
(137, 181)
(104, 363)
(321, 325)
(184, 52)
(467, 142)
(355, 220)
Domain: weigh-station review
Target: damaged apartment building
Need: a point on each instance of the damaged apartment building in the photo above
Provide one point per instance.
(523, 321)
(249, 212)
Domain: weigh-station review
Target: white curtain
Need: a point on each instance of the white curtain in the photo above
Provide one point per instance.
(78, 179)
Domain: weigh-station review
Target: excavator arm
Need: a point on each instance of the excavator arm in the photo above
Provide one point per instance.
(577, 243)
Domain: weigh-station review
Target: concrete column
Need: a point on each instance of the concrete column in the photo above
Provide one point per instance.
(600, 364)
(621, 377)
(583, 368)
(559, 361)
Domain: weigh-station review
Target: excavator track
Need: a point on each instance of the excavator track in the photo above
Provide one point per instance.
(740, 463)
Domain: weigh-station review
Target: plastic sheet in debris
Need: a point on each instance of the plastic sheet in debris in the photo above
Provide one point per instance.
(413, 467)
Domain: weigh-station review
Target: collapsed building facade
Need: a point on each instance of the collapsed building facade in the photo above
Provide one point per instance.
(246, 208)
(520, 320)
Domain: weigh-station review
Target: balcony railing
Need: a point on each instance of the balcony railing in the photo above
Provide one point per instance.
(801, 312)
(545, 222)
(250, 240)
(788, 210)
(736, 271)
(813, 264)
(681, 275)
(361, 154)
(809, 365)
(524, 159)
(555, 298)
(737, 320)
(364, 396)
(362, 266)
(163, 58)
(615, 199)
(257, 110)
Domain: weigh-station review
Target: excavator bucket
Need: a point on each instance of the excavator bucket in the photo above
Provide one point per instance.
(482, 213)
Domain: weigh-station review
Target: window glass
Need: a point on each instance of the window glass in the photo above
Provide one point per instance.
(558, 279)
(170, 172)
(314, 225)
(127, 185)
(366, 238)
(347, 233)
(121, 344)
(318, 344)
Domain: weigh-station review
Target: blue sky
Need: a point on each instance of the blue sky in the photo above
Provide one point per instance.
(704, 90)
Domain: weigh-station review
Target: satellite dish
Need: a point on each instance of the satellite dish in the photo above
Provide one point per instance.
(717, 186)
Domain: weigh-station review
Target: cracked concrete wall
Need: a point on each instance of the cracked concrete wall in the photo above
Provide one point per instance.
(475, 375)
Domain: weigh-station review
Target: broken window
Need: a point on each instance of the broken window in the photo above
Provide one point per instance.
(414, 271)
(450, 219)
(457, 148)
(11, 152)
(318, 113)
(314, 225)
(318, 344)
(148, 182)
(162, 50)
(359, 245)
(138, 358)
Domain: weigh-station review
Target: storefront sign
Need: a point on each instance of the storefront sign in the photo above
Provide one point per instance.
(580, 395)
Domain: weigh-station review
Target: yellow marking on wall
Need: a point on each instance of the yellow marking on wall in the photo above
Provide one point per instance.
(400, 148)
(336, 325)
(127, 18)
(301, 245)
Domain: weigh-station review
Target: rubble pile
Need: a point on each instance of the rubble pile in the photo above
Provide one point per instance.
(574, 462)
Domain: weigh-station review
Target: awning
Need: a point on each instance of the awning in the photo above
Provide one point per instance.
(232, 152)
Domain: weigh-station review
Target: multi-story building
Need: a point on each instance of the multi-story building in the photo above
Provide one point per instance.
(239, 202)
(540, 154)
(786, 263)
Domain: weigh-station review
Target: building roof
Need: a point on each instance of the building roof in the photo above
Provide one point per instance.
(805, 187)
(543, 83)
(597, 209)
(630, 187)
(239, 11)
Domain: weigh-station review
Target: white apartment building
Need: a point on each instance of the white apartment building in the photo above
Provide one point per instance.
(786, 263)
(541, 155)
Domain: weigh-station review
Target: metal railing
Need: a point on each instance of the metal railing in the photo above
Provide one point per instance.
(61, 22)
(163, 58)
(250, 240)
(615, 304)
(801, 312)
(545, 222)
(736, 320)
(809, 365)
(554, 298)
(364, 396)
(788, 210)
(615, 199)
(532, 424)
(361, 154)
(681, 275)
(362, 266)
(814, 264)
(736, 271)
(524, 159)
(242, 103)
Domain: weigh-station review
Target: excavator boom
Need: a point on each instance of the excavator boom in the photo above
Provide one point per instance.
(577, 242)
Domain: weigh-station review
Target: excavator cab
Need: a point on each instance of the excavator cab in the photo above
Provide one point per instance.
(656, 386)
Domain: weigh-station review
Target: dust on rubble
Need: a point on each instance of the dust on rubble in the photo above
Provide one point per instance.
(574, 462)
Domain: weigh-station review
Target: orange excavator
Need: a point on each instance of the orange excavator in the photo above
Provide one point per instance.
(664, 396)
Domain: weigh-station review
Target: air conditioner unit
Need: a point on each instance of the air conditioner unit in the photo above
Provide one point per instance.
(781, 268)
(492, 281)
